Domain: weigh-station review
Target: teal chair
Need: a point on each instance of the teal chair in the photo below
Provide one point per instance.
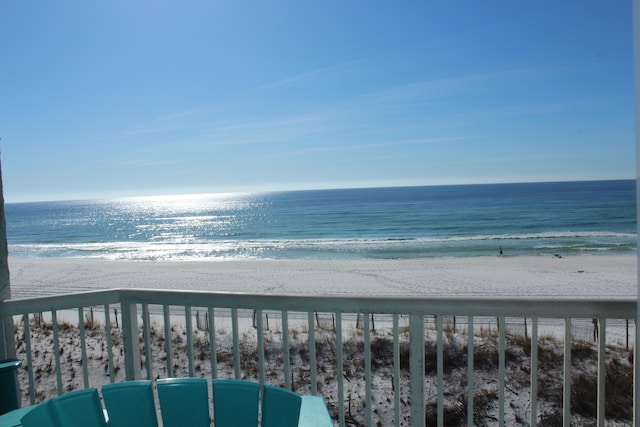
(79, 408)
(42, 415)
(184, 402)
(280, 407)
(121, 398)
(235, 403)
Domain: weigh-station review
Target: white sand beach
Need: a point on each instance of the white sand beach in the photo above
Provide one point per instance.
(586, 276)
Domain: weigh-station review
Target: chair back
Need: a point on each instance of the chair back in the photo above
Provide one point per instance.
(42, 415)
(280, 407)
(314, 412)
(184, 402)
(121, 398)
(80, 408)
(235, 403)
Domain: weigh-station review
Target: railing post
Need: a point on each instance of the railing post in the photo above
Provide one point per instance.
(367, 368)
(602, 370)
(166, 312)
(534, 372)
(131, 340)
(440, 369)
(416, 369)
(7, 340)
(566, 369)
(635, 15)
(501, 369)
(340, 368)
(396, 369)
(470, 380)
(313, 364)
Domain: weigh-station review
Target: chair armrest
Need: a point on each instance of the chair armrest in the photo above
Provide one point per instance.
(314, 413)
(12, 419)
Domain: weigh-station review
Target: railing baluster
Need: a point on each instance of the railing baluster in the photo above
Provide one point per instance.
(602, 369)
(189, 326)
(166, 311)
(83, 347)
(501, 370)
(416, 369)
(566, 381)
(534, 372)
(312, 353)
(260, 337)
(211, 326)
(367, 367)
(56, 349)
(286, 359)
(146, 333)
(236, 343)
(396, 369)
(131, 341)
(340, 368)
(470, 381)
(440, 369)
(107, 326)
(27, 344)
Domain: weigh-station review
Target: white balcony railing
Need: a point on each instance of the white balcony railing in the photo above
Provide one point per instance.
(459, 357)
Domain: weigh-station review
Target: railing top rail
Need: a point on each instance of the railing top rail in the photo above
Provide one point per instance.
(60, 302)
(436, 305)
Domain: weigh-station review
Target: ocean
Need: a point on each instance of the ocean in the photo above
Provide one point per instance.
(561, 218)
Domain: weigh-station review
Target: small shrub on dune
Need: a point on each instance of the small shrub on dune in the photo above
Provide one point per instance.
(551, 419)
(381, 352)
(485, 357)
(581, 350)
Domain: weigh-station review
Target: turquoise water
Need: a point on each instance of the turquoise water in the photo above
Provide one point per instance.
(405, 222)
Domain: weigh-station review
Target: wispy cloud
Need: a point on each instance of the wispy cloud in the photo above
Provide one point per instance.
(149, 162)
(448, 85)
(170, 122)
(313, 75)
(387, 143)
(355, 117)
(260, 131)
(240, 125)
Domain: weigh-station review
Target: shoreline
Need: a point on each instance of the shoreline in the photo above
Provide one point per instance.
(542, 276)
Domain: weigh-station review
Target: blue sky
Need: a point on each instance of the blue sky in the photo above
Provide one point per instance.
(121, 98)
